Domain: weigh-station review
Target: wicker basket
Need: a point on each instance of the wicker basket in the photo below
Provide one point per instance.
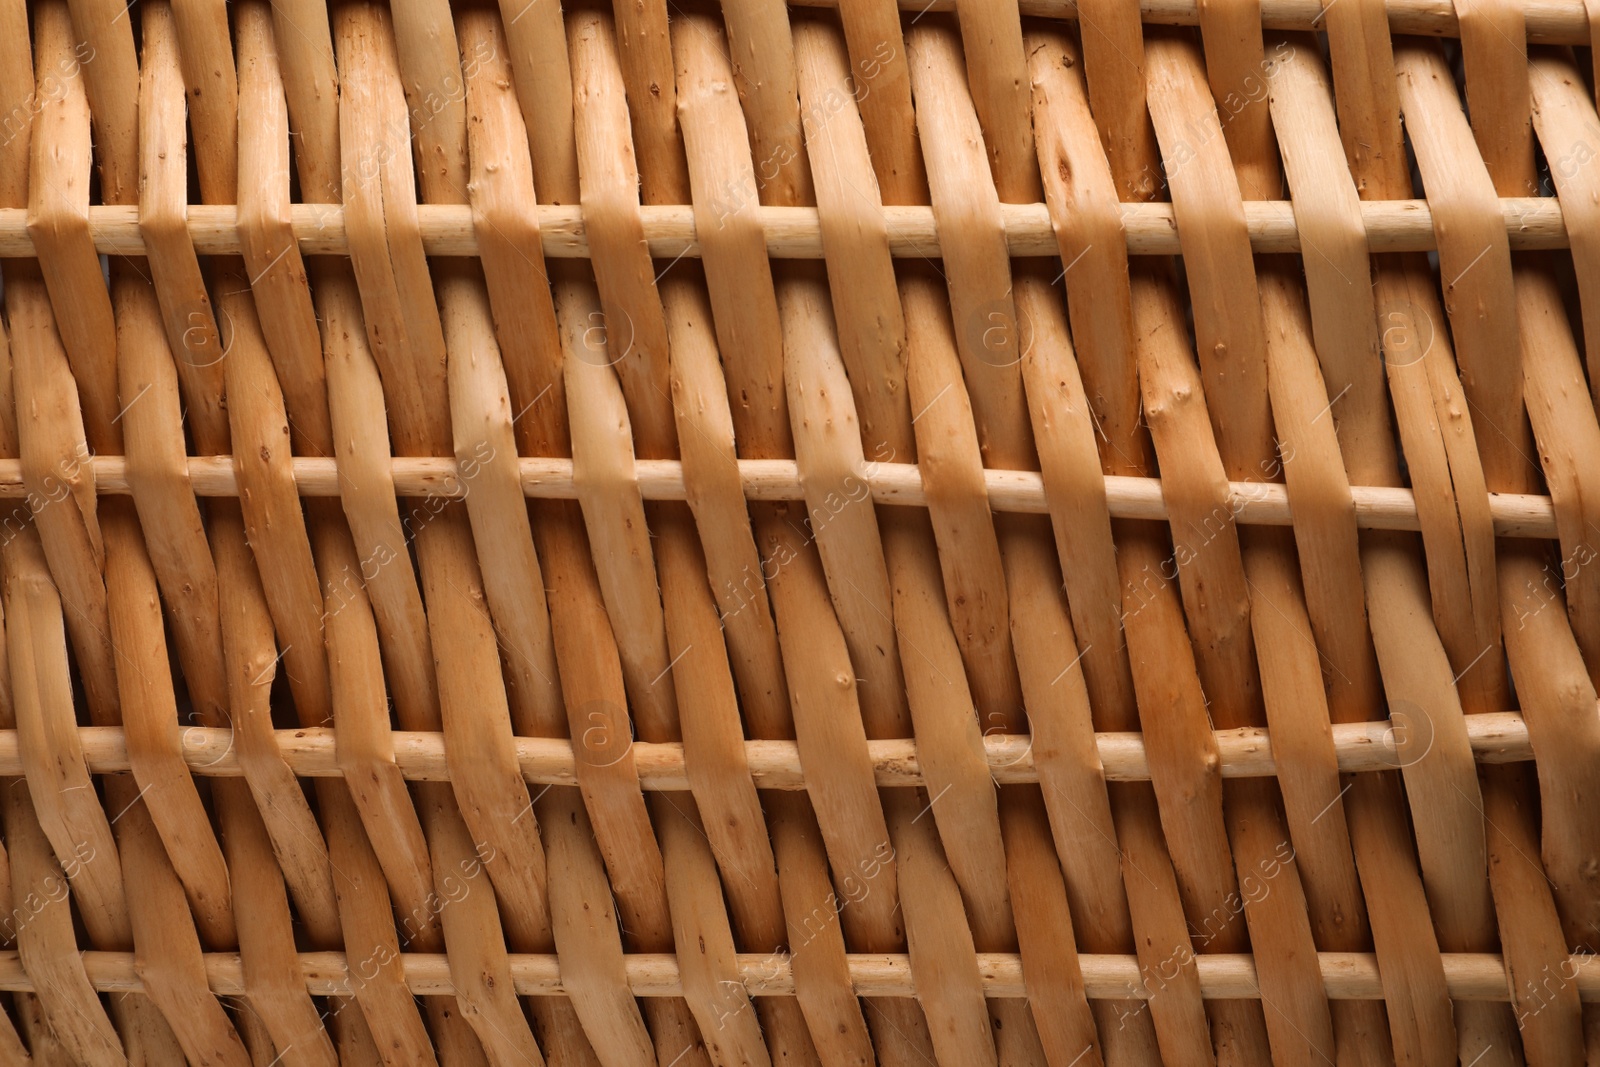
(800, 534)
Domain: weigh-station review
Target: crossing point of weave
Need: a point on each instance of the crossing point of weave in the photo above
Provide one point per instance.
(828, 533)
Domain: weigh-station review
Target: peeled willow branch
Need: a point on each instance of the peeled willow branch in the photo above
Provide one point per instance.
(1345, 975)
(1252, 503)
(1548, 21)
(795, 232)
(1499, 737)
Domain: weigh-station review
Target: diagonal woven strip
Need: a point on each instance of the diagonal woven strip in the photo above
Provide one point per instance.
(827, 532)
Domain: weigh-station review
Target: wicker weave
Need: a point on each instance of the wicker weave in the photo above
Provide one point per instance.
(800, 534)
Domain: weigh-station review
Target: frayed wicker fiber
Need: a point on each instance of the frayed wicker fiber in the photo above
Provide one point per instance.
(1045, 534)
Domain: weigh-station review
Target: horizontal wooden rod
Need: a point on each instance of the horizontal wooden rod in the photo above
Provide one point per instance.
(795, 232)
(1252, 503)
(1496, 737)
(1345, 975)
(1549, 21)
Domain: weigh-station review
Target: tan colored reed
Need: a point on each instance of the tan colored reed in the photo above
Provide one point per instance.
(976, 532)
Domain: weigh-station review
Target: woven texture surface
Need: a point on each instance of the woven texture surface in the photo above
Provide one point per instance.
(745, 533)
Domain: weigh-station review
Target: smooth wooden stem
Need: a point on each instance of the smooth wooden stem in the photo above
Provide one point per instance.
(1549, 21)
(1345, 975)
(1497, 737)
(796, 232)
(1251, 503)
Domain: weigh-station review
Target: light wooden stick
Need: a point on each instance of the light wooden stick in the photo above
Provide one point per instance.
(1549, 21)
(1252, 503)
(1346, 975)
(1497, 737)
(795, 232)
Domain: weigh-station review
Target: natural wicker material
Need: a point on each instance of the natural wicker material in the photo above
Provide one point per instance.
(814, 534)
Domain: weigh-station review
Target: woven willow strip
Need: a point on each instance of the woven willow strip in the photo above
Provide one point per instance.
(1496, 737)
(1043, 533)
(1348, 976)
(795, 232)
(439, 479)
